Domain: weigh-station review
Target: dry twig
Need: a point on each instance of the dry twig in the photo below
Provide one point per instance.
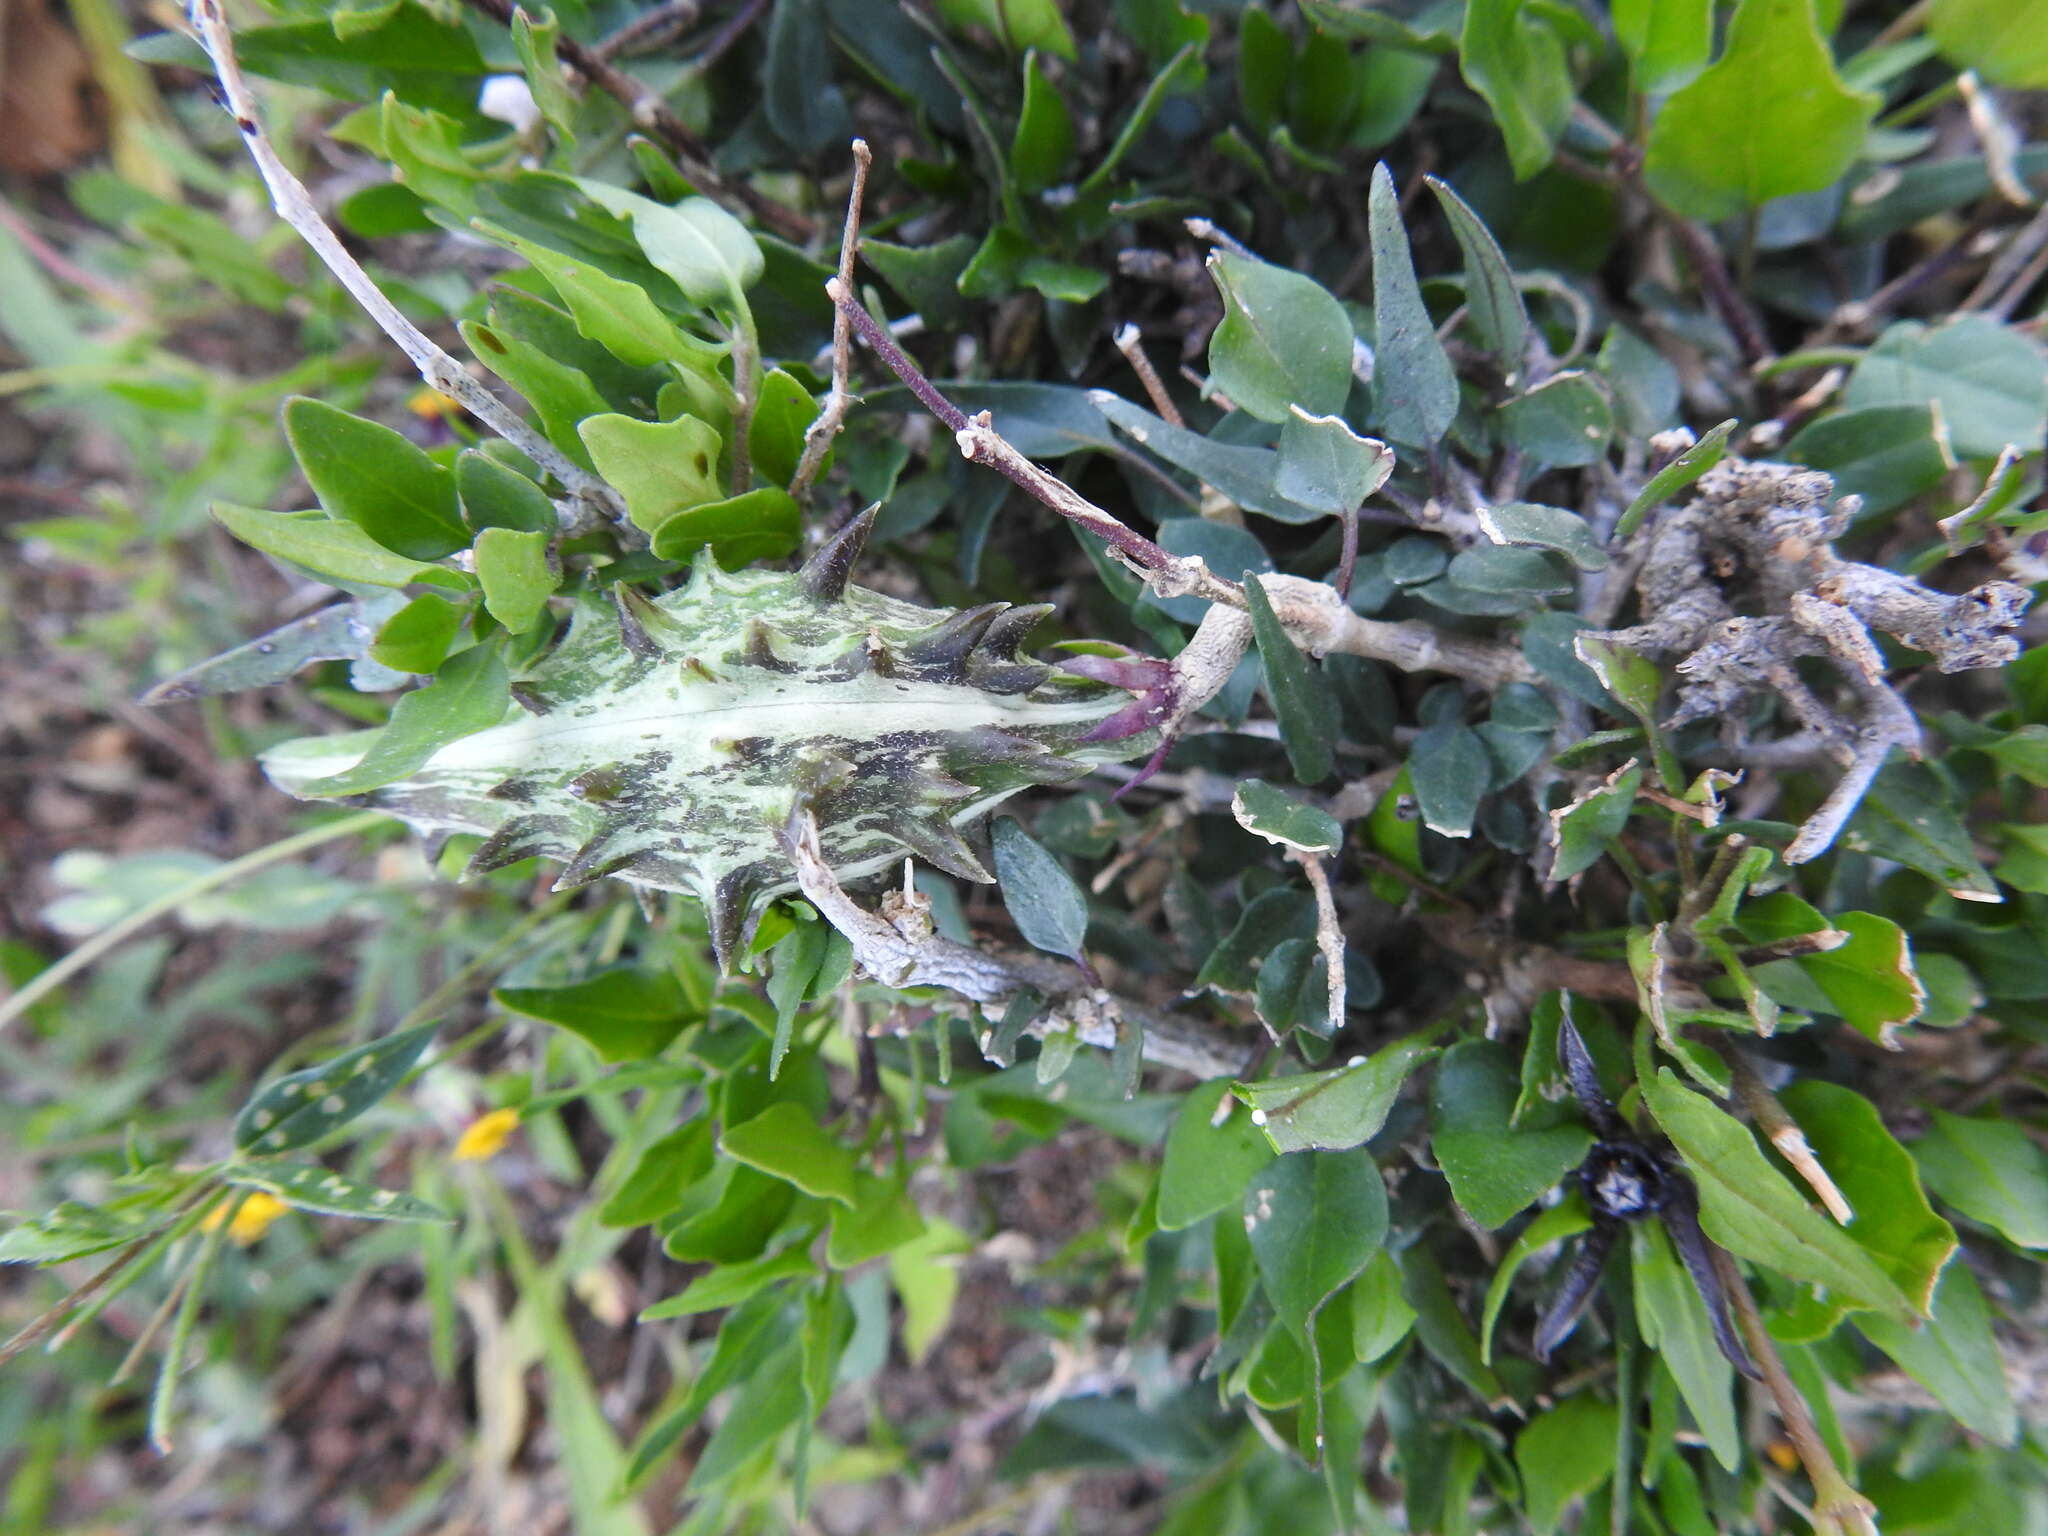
(818, 436)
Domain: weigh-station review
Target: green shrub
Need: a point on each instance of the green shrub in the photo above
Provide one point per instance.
(1509, 827)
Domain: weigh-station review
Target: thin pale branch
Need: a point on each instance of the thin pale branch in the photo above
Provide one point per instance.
(1329, 930)
(1776, 1122)
(592, 501)
(818, 436)
(1843, 1511)
(1314, 614)
(1127, 342)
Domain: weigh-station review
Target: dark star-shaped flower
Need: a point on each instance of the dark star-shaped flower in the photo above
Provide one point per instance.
(1626, 1180)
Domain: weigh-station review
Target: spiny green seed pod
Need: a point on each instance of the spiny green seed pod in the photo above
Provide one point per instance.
(665, 742)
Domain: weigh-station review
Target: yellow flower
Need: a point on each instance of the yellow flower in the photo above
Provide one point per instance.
(486, 1136)
(252, 1218)
(432, 405)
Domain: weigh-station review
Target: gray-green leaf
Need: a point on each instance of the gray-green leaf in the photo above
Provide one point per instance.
(1050, 910)
(1416, 391)
(300, 1108)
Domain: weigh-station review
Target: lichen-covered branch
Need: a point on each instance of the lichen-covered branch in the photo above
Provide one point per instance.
(1314, 614)
(898, 946)
(1744, 583)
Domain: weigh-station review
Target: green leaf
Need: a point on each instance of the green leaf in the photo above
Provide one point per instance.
(1645, 385)
(1566, 420)
(1265, 57)
(1380, 1314)
(1955, 1356)
(417, 637)
(731, 1284)
(1911, 816)
(1280, 818)
(301, 1107)
(326, 546)
(1414, 390)
(928, 278)
(2023, 752)
(2001, 39)
(1989, 1170)
(1512, 57)
(373, 477)
(1529, 524)
(1674, 478)
(1450, 770)
(799, 957)
(1491, 297)
(1747, 1206)
(1674, 1324)
(1315, 1220)
(703, 248)
(927, 1285)
(802, 102)
(1206, 1166)
(471, 693)
(73, 1230)
(494, 496)
(1878, 1178)
(1044, 141)
(669, 1166)
(626, 1013)
(1305, 709)
(763, 524)
(1990, 381)
(311, 1187)
(1887, 454)
(770, 1400)
(883, 1219)
(1440, 1325)
(746, 1340)
(1667, 41)
(517, 574)
(1495, 1171)
(660, 467)
(618, 315)
(1333, 1110)
(1247, 475)
(1268, 920)
(1587, 826)
(1050, 909)
(1563, 1455)
(785, 1141)
(1491, 572)
(1770, 118)
(731, 1220)
(562, 395)
(1283, 341)
(425, 149)
(783, 411)
(1326, 465)
(1016, 24)
(1565, 1219)
(534, 41)
(1869, 981)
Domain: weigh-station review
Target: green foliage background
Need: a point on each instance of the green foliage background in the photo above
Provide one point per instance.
(1430, 286)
